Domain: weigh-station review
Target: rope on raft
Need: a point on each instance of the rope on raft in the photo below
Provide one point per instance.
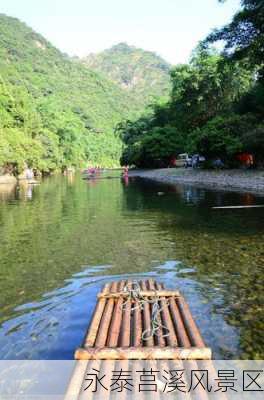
(156, 326)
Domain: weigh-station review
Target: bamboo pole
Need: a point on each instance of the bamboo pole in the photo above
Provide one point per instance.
(171, 339)
(153, 366)
(181, 333)
(95, 178)
(149, 341)
(137, 326)
(123, 365)
(143, 293)
(85, 392)
(237, 207)
(178, 324)
(143, 353)
(106, 369)
(114, 330)
(126, 322)
(94, 326)
(208, 365)
(158, 337)
(190, 325)
(183, 342)
(200, 393)
(178, 365)
(106, 319)
(76, 381)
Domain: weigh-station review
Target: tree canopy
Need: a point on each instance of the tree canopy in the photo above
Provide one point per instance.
(216, 106)
(244, 37)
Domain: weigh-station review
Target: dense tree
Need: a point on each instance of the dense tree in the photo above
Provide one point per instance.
(58, 106)
(20, 128)
(219, 137)
(205, 87)
(244, 36)
(154, 148)
(195, 119)
(216, 106)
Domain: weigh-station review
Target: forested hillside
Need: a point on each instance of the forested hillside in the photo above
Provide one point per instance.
(216, 107)
(143, 74)
(54, 111)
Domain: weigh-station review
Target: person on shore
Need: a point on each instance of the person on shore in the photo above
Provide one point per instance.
(125, 171)
(29, 174)
(195, 161)
(246, 160)
(92, 171)
(125, 175)
(173, 162)
(218, 163)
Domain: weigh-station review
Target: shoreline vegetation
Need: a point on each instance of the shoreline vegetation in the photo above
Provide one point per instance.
(216, 105)
(231, 180)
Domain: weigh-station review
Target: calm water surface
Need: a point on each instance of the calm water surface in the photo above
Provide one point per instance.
(62, 240)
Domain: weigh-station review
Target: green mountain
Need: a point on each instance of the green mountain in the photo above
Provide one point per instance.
(54, 111)
(143, 74)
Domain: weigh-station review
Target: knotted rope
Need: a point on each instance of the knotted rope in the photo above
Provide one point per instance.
(156, 327)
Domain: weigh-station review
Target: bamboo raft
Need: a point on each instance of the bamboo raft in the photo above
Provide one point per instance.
(95, 177)
(117, 327)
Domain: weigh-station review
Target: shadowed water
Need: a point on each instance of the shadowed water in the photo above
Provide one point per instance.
(62, 240)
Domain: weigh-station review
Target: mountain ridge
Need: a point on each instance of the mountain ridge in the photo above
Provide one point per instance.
(141, 72)
(65, 111)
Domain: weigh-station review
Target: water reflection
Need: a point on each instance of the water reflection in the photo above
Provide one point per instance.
(25, 191)
(59, 248)
(192, 195)
(7, 191)
(226, 250)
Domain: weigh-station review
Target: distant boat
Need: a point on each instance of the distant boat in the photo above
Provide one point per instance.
(29, 182)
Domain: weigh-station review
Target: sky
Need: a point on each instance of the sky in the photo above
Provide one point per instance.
(171, 28)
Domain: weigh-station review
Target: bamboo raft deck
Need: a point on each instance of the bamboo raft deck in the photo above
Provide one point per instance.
(116, 328)
(114, 339)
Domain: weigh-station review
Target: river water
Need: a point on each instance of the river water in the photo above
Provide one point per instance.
(62, 240)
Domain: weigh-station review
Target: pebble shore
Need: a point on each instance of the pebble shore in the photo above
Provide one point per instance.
(238, 180)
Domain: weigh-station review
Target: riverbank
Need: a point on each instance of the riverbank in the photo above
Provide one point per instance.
(246, 181)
